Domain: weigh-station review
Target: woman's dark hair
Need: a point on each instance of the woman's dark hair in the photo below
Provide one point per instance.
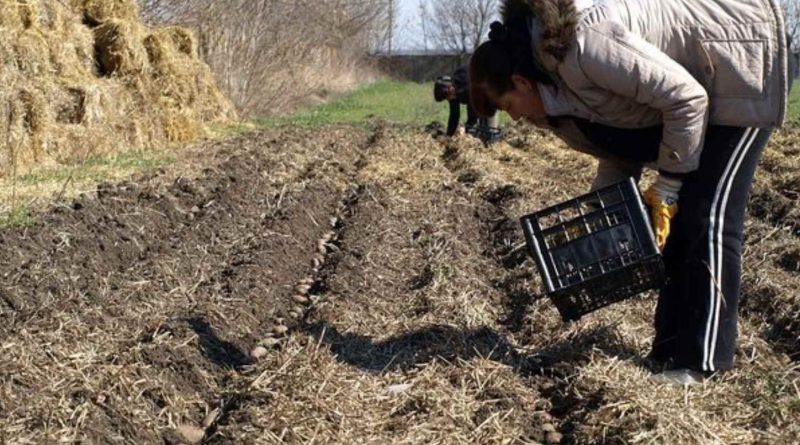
(441, 88)
(507, 52)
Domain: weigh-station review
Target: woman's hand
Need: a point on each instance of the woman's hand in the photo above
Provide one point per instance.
(662, 197)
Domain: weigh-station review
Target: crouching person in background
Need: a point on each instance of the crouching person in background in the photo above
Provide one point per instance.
(455, 90)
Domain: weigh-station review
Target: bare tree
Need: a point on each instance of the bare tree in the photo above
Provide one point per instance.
(457, 25)
(392, 23)
(267, 54)
(161, 11)
(791, 11)
(382, 32)
(425, 24)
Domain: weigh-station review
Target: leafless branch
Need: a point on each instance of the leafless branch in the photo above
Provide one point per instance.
(457, 26)
(266, 53)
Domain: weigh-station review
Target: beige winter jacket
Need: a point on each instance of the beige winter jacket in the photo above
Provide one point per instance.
(680, 63)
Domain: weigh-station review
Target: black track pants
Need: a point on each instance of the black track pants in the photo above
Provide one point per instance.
(697, 310)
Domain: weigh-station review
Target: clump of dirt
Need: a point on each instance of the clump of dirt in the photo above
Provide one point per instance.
(524, 137)
(790, 188)
(435, 129)
(790, 261)
(773, 206)
(469, 177)
(502, 195)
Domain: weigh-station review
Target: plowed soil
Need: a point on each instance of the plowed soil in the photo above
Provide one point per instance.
(346, 285)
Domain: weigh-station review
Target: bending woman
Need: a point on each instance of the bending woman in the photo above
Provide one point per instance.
(692, 88)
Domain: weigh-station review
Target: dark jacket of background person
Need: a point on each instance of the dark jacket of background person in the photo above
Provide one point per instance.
(461, 84)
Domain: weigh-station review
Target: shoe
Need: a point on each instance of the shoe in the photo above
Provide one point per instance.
(659, 362)
(679, 377)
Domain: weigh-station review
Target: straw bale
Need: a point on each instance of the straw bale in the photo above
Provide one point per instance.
(119, 48)
(210, 103)
(185, 80)
(28, 14)
(160, 52)
(167, 56)
(74, 57)
(35, 117)
(49, 15)
(93, 118)
(33, 53)
(141, 91)
(29, 122)
(96, 12)
(74, 90)
(71, 143)
(180, 125)
(183, 39)
(6, 128)
(91, 112)
(10, 17)
(8, 56)
(134, 111)
(213, 105)
(71, 44)
(69, 105)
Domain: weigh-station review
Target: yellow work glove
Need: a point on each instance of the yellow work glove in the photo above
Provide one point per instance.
(662, 197)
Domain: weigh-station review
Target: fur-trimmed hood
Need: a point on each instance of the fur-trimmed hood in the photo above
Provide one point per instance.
(633, 64)
(557, 19)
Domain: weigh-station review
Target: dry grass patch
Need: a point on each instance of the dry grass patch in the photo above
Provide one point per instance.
(314, 396)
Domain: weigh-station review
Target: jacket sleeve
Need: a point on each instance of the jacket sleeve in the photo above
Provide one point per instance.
(455, 116)
(626, 65)
(461, 82)
(611, 171)
(472, 116)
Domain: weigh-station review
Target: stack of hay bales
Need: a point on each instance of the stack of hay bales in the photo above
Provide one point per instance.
(85, 77)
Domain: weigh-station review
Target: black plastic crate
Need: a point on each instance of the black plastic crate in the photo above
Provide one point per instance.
(595, 250)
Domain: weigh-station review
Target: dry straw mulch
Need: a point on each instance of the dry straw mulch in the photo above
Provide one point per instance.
(330, 286)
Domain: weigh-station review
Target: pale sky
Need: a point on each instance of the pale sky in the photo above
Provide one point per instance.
(409, 26)
(409, 29)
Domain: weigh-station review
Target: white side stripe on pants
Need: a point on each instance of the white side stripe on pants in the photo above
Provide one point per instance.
(715, 229)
